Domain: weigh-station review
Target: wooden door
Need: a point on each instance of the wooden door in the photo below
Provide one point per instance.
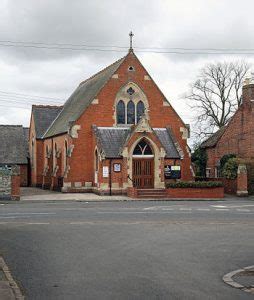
(143, 173)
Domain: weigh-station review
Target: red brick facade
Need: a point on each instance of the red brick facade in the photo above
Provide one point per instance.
(238, 137)
(72, 160)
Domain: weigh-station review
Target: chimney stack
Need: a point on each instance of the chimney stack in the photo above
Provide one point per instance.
(248, 90)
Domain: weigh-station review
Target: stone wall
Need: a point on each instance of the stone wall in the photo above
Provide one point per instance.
(10, 184)
(5, 184)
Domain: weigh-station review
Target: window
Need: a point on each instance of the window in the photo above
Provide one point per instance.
(140, 110)
(120, 111)
(143, 148)
(131, 112)
(208, 172)
(66, 153)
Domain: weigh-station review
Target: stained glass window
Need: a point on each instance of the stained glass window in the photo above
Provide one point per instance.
(142, 148)
(130, 91)
(130, 112)
(120, 111)
(140, 110)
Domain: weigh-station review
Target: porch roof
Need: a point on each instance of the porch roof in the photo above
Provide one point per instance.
(112, 139)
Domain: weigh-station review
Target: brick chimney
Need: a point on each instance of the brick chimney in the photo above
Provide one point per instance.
(248, 91)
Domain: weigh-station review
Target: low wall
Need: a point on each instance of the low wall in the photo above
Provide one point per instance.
(10, 184)
(188, 193)
(230, 185)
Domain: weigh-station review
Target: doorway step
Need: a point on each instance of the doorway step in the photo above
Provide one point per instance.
(151, 193)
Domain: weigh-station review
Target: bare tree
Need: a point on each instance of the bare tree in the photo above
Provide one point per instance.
(216, 95)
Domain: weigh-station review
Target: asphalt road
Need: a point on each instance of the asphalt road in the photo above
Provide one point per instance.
(127, 250)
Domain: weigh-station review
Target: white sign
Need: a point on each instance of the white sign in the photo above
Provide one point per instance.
(117, 167)
(105, 172)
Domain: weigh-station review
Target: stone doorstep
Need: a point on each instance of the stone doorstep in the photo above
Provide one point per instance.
(9, 289)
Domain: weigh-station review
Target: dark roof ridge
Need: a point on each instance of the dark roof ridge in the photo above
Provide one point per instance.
(91, 77)
(46, 106)
(214, 138)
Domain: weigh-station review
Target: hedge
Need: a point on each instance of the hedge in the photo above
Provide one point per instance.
(194, 184)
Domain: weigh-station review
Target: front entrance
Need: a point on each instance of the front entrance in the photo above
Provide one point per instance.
(143, 173)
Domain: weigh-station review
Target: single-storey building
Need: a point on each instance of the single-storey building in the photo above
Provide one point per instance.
(14, 150)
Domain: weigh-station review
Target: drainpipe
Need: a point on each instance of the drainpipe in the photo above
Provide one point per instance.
(110, 177)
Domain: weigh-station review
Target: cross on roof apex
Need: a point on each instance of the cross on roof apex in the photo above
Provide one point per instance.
(131, 34)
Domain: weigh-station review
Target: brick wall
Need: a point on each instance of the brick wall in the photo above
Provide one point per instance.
(23, 175)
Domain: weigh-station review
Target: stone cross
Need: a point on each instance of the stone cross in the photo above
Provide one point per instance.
(131, 36)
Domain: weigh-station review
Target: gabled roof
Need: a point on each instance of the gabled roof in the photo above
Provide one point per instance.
(214, 138)
(81, 99)
(44, 115)
(14, 145)
(112, 139)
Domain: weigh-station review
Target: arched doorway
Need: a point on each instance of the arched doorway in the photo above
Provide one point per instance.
(143, 165)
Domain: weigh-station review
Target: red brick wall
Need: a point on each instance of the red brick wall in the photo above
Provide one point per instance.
(195, 192)
(15, 187)
(23, 175)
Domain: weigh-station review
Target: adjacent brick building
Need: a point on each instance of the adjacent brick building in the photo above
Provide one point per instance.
(14, 150)
(235, 138)
(117, 130)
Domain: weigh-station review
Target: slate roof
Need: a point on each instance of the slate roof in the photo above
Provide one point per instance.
(44, 115)
(14, 144)
(81, 99)
(112, 139)
(167, 140)
(213, 139)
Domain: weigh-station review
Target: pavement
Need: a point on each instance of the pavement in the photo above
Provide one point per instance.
(40, 195)
(127, 249)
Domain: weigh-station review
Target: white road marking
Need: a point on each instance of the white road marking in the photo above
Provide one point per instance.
(38, 223)
(219, 206)
(203, 209)
(222, 209)
(28, 213)
(243, 210)
(186, 209)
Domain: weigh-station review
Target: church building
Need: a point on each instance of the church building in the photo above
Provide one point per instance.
(116, 131)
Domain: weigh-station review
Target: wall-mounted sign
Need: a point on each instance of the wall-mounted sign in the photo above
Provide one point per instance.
(117, 167)
(172, 172)
(105, 172)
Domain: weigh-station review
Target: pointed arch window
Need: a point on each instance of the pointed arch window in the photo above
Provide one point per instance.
(66, 153)
(131, 112)
(142, 148)
(120, 110)
(140, 110)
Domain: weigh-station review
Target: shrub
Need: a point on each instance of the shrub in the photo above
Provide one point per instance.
(225, 159)
(229, 170)
(199, 158)
(194, 184)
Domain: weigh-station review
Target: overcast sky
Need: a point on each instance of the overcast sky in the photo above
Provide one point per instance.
(53, 74)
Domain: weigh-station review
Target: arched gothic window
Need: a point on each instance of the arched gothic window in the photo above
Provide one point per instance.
(120, 111)
(66, 153)
(140, 110)
(130, 112)
(142, 148)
